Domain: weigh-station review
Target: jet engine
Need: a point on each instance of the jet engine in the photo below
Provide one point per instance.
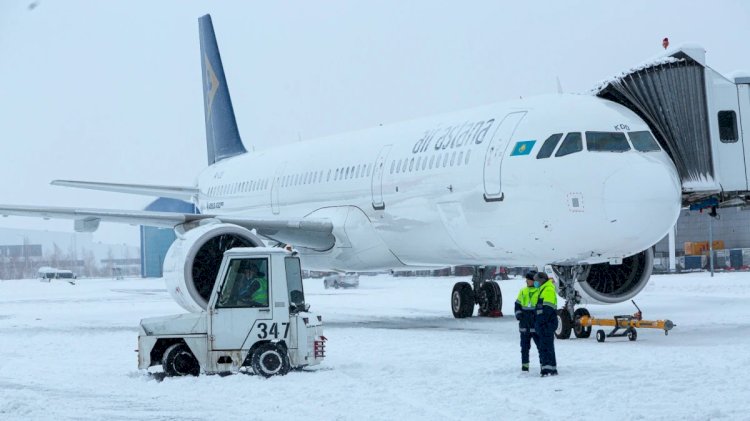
(609, 284)
(193, 261)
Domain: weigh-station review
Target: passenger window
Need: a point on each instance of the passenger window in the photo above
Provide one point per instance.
(572, 144)
(549, 146)
(369, 167)
(403, 166)
(644, 141)
(432, 159)
(445, 160)
(328, 177)
(607, 142)
(393, 166)
(398, 167)
(419, 161)
(336, 177)
(468, 155)
(453, 158)
(460, 158)
(411, 164)
(728, 126)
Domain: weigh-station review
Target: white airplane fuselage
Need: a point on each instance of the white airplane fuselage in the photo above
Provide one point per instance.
(459, 188)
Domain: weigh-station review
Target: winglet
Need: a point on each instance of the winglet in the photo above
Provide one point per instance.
(222, 136)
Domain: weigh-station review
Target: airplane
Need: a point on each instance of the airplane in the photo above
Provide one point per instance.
(572, 181)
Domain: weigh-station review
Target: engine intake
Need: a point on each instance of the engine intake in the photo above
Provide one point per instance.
(194, 259)
(610, 284)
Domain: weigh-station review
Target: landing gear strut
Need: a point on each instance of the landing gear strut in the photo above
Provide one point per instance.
(568, 316)
(483, 292)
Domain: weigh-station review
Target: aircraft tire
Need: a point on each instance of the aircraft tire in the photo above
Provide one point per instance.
(178, 360)
(490, 299)
(564, 324)
(462, 300)
(582, 332)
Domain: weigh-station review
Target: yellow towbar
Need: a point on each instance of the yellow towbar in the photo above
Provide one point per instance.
(623, 325)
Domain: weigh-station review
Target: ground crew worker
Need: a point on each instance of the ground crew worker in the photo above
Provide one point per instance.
(525, 314)
(253, 287)
(545, 322)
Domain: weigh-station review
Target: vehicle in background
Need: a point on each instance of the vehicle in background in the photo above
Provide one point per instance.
(46, 274)
(338, 280)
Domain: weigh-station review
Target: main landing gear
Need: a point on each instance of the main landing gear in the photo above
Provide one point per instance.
(480, 291)
(568, 317)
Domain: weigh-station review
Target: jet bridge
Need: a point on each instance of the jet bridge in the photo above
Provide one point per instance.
(698, 116)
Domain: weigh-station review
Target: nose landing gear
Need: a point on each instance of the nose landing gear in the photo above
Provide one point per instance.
(485, 293)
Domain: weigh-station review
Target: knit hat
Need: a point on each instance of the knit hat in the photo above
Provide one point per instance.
(540, 277)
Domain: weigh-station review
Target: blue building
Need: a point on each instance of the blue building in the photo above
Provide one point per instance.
(156, 241)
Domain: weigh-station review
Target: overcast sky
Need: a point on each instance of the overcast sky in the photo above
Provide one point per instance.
(111, 91)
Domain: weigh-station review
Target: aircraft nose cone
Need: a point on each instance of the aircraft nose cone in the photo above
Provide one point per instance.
(642, 201)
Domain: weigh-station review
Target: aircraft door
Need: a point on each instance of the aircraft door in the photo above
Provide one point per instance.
(377, 178)
(242, 304)
(495, 152)
(275, 187)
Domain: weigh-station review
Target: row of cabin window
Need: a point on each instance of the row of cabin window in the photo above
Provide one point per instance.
(314, 177)
(234, 188)
(642, 141)
(420, 164)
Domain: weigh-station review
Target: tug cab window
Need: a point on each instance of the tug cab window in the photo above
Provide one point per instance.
(607, 142)
(549, 146)
(728, 126)
(573, 143)
(245, 285)
(644, 141)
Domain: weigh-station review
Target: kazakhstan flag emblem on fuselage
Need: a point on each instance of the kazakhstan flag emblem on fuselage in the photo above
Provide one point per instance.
(523, 147)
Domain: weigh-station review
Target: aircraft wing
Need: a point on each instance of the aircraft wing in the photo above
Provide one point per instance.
(315, 234)
(172, 192)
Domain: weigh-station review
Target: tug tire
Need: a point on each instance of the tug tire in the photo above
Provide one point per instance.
(270, 360)
(178, 360)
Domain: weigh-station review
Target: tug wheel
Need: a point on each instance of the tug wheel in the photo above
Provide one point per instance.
(600, 335)
(462, 300)
(581, 331)
(633, 335)
(270, 360)
(179, 361)
(564, 324)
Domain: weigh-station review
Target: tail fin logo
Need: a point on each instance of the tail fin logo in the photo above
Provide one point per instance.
(213, 84)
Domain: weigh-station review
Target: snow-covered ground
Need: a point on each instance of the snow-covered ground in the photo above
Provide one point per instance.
(394, 352)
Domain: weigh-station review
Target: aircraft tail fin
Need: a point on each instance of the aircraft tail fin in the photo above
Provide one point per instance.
(222, 136)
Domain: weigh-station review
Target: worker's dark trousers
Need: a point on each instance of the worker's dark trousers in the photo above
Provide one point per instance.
(546, 348)
(526, 339)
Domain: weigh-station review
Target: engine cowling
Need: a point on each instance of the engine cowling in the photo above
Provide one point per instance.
(609, 284)
(194, 259)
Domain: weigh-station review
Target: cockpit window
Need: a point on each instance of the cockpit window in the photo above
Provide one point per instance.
(607, 142)
(549, 146)
(644, 141)
(573, 143)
